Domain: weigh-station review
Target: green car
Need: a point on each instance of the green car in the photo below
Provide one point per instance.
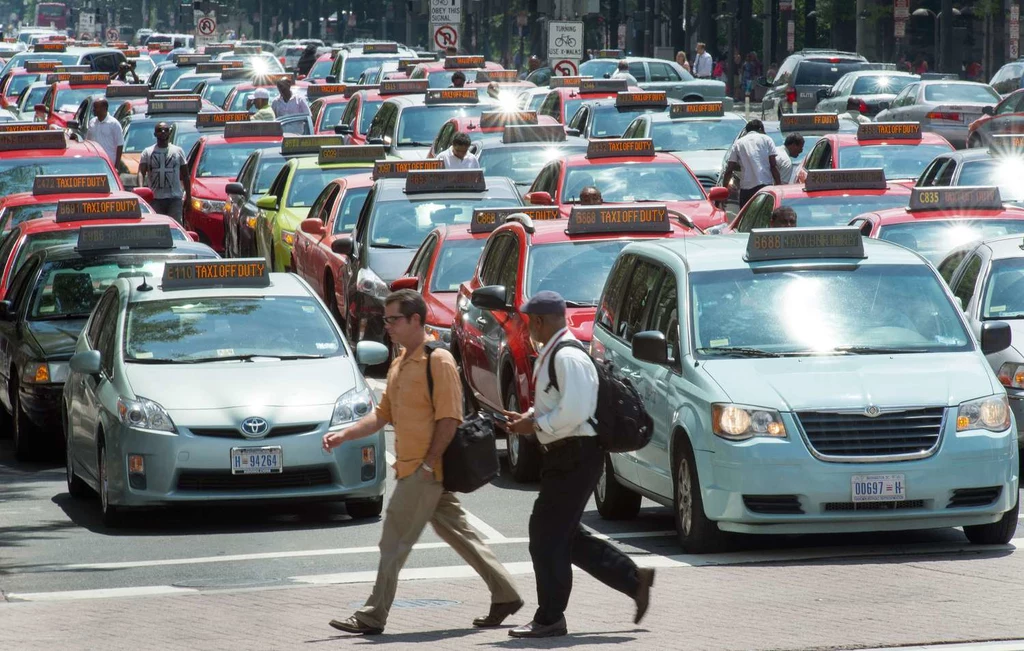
(291, 195)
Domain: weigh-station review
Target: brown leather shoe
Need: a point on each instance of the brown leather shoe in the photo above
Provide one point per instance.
(533, 629)
(353, 625)
(643, 593)
(498, 614)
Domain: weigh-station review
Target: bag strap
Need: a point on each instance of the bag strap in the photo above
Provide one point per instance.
(552, 377)
(429, 348)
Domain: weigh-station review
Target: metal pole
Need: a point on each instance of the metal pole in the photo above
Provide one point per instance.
(938, 51)
(947, 36)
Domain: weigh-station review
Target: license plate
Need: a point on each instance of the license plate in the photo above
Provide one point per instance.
(256, 461)
(878, 488)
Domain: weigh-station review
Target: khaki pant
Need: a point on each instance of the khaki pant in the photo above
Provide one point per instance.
(416, 501)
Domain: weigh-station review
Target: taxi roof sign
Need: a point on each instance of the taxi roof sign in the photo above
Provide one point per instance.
(131, 53)
(88, 78)
(262, 129)
(83, 209)
(610, 54)
(77, 184)
(217, 67)
(464, 61)
(402, 86)
(804, 243)
(316, 91)
(809, 122)
(190, 60)
(641, 98)
(533, 133)
(969, 197)
(637, 218)
(486, 220)
(603, 86)
(620, 148)
(58, 46)
(495, 119)
(889, 131)
(292, 145)
(849, 179)
(350, 154)
(57, 77)
(355, 88)
(697, 110)
(485, 76)
(211, 119)
(217, 48)
(182, 104)
(417, 182)
(127, 237)
(565, 82)
(17, 127)
(128, 90)
(214, 274)
(64, 68)
(406, 65)
(451, 96)
(380, 48)
(396, 169)
(1003, 143)
(20, 140)
(247, 49)
(41, 66)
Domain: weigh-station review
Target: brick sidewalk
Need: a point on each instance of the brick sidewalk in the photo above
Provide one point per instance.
(825, 605)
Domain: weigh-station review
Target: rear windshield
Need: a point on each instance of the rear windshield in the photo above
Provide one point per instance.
(881, 85)
(18, 174)
(823, 73)
(838, 211)
(355, 66)
(223, 159)
(19, 83)
(692, 135)
(960, 93)
(610, 122)
(70, 288)
(935, 238)
(898, 161)
(522, 164)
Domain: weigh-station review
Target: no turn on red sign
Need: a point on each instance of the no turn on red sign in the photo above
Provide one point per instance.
(445, 36)
(566, 68)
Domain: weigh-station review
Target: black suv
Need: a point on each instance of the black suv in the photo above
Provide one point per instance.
(801, 76)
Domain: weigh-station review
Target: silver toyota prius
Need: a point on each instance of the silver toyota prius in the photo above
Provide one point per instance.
(216, 383)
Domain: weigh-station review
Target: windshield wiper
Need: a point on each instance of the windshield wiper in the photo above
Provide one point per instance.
(739, 351)
(874, 350)
(577, 304)
(154, 360)
(388, 245)
(415, 144)
(246, 358)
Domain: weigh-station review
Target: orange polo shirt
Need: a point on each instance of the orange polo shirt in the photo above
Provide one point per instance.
(406, 404)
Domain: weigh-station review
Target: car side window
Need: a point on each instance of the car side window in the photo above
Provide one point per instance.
(949, 266)
(388, 128)
(579, 121)
(318, 210)
(493, 256)
(21, 284)
(638, 70)
(246, 173)
(665, 316)
(277, 187)
(508, 272)
(546, 179)
(48, 98)
(785, 72)
(816, 158)
(965, 286)
(550, 106)
(637, 300)
(379, 122)
(615, 287)
(944, 175)
(662, 71)
(634, 129)
(420, 263)
(108, 334)
(99, 313)
(348, 116)
(756, 213)
(928, 175)
(314, 110)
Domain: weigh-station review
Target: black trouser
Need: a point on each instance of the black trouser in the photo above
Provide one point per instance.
(745, 195)
(557, 541)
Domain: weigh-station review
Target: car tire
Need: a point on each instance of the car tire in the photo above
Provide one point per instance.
(365, 509)
(113, 516)
(996, 533)
(76, 487)
(26, 435)
(615, 501)
(523, 452)
(697, 534)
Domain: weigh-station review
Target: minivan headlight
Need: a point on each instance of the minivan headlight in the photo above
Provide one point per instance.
(1011, 374)
(143, 413)
(371, 284)
(741, 422)
(991, 413)
(351, 406)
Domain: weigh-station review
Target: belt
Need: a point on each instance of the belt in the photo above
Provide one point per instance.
(561, 443)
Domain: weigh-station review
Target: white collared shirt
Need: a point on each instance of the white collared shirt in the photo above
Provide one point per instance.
(295, 106)
(784, 163)
(453, 162)
(564, 412)
(703, 65)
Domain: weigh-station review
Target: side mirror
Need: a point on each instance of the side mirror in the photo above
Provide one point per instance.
(995, 336)
(192, 235)
(572, 132)
(332, 79)
(312, 226)
(883, 105)
(144, 193)
(824, 93)
(371, 353)
(342, 245)
(539, 199)
(375, 141)
(87, 362)
(40, 108)
(235, 188)
(6, 311)
(267, 202)
(650, 346)
(73, 124)
(988, 110)
(342, 129)
(718, 194)
(405, 282)
(492, 297)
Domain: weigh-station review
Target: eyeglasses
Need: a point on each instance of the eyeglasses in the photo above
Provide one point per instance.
(390, 320)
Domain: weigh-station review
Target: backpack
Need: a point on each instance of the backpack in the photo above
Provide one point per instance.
(471, 459)
(620, 420)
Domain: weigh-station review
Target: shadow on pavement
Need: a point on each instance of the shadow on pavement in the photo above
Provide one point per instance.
(26, 534)
(403, 638)
(571, 640)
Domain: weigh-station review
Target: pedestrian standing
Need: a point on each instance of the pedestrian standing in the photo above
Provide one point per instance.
(287, 103)
(703, 66)
(424, 426)
(165, 170)
(622, 72)
(681, 60)
(853, 111)
(261, 102)
(572, 464)
(106, 131)
(306, 61)
(785, 153)
(754, 156)
(458, 156)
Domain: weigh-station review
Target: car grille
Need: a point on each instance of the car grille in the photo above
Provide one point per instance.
(223, 480)
(896, 435)
(707, 181)
(773, 504)
(232, 433)
(974, 496)
(874, 506)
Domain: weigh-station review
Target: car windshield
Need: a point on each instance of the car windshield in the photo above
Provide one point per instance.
(191, 330)
(351, 203)
(138, 136)
(264, 63)
(18, 174)
(418, 125)
(898, 161)
(320, 70)
(839, 210)
(455, 264)
(240, 100)
(169, 75)
(404, 224)
(68, 100)
(37, 241)
(576, 270)
(223, 159)
(443, 78)
(881, 84)
(628, 182)
(694, 135)
(522, 164)
(19, 83)
(823, 73)
(331, 116)
(217, 91)
(307, 184)
(355, 66)
(960, 93)
(934, 238)
(15, 215)
(70, 288)
(1003, 172)
(598, 68)
(610, 122)
(815, 311)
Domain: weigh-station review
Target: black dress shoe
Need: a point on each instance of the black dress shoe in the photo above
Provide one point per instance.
(353, 625)
(533, 629)
(643, 593)
(498, 614)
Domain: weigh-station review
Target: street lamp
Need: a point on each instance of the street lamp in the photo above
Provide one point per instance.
(923, 12)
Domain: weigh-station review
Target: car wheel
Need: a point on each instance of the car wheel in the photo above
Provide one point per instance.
(26, 436)
(113, 516)
(697, 534)
(523, 452)
(615, 501)
(365, 509)
(76, 487)
(997, 533)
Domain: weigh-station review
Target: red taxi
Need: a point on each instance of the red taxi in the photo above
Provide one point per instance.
(321, 68)
(18, 79)
(25, 154)
(899, 148)
(628, 171)
(825, 198)
(568, 94)
(364, 104)
(439, 73)
(215, 162)
(67, 90)
(239, 96)
(327, 103)
(490, 338)
(47, 190)
(939, 219)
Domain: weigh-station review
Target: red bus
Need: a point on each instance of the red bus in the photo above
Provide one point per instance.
(52, 14)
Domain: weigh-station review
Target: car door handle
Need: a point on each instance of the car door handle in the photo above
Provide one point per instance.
(481, 320)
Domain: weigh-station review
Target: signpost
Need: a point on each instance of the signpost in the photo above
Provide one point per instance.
(565, 46)
(790, 36)
(1014, 40)
(206, 27)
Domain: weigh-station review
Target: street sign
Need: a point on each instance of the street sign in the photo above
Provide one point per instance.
(1014, 41)
(790, 36)
(900, 28)
(565, 46)
(86, 23)
(113, 34)
(566, 68)
(445, 36)
(785, 5)
(206, 26)
(445, 12)
(522, 19)
(901, 10)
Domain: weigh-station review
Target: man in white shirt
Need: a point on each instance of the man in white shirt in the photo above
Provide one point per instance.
(573, 462)
(703, 66)
(288, 104)
(785, 153)
(754, 157)
(458, 156)
(106, 131)
(622, 72)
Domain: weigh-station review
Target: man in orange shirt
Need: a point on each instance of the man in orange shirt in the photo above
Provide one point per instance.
(424, 426)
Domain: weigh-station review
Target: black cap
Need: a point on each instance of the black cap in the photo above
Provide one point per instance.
(546, 302)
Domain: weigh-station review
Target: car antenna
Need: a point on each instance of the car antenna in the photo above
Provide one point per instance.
(144, 287)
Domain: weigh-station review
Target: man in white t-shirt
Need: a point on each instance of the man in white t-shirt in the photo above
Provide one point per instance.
(622, 72)
(754, 157)
(458, 157)
(287, 103)
(785, 153)
(106, 131)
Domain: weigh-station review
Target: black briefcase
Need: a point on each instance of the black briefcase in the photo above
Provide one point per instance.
(471, 460)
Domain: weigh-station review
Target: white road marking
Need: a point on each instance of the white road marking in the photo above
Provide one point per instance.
(103, 593)
(1005, 645)
(408, 574)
